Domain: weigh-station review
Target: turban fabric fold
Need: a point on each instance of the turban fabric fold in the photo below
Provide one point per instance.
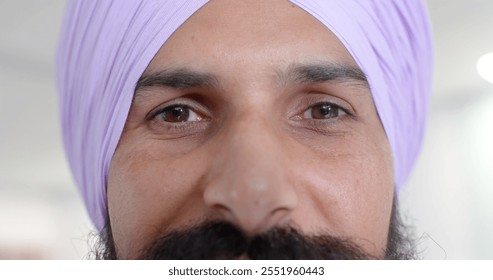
(106, 45)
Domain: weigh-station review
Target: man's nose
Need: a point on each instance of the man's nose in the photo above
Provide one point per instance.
(248, 183)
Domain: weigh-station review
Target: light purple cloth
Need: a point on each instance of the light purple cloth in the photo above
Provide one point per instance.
(106, 45)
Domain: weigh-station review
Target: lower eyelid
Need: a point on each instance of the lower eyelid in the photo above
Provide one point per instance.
(180, 129)
(325, 125)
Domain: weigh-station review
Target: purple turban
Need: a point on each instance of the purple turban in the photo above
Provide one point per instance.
(106, 45)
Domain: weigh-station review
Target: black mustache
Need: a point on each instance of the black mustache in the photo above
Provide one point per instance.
(221, 240)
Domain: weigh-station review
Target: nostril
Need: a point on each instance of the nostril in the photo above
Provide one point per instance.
(222, 212)
(256, 223)
(221, 208)
(279, 217)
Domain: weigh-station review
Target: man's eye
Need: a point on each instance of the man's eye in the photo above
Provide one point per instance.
(323, 111)
(177, 114)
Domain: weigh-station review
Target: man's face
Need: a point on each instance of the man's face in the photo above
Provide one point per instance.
(252, 113)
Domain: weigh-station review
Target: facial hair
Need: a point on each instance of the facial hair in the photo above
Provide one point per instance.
(223, 240)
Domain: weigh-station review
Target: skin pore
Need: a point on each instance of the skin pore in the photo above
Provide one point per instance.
(254, 114)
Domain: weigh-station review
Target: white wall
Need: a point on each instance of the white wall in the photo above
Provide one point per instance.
(450, 193)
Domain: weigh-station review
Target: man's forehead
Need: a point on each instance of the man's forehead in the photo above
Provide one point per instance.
(281, 35)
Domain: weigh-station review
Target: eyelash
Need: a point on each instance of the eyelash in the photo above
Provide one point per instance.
(180, 128)
(187, 127)
(332, 107)
(187, 107)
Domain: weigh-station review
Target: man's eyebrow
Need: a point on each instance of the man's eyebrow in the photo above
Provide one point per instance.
(183, 78)
(323, 72)
(177, 78)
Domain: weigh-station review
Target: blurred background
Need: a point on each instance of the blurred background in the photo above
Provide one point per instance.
(448, 198)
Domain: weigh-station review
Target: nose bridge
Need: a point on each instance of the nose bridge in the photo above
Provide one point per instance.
(249, 184)
(255, 151)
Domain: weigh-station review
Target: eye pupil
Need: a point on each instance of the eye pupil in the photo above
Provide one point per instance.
(324, 111)
(176, 114)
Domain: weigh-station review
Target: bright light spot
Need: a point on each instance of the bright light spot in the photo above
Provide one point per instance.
(485, 67)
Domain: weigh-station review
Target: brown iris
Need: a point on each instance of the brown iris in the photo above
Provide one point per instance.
(174, 114)
(324, 111)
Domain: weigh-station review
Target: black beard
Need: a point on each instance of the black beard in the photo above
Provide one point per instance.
(222, 240)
